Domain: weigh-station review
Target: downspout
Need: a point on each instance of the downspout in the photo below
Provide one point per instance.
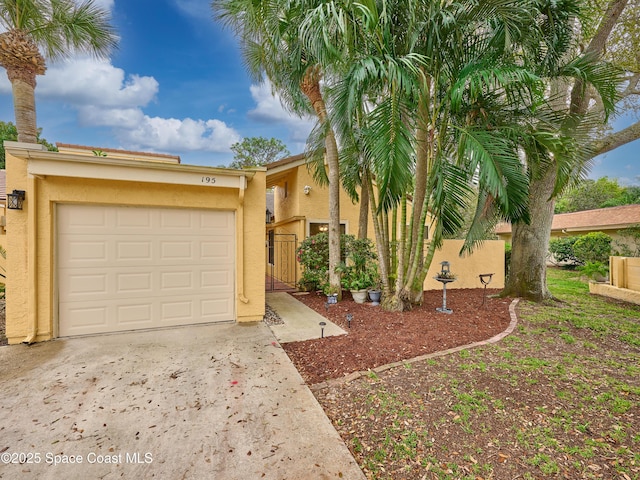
(240, 257)
(32, 223)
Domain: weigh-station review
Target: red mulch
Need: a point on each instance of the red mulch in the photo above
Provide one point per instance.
(378, 337)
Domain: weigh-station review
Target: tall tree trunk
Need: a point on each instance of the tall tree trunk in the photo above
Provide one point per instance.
(20, 56)
(530, 243)
(528, 268)
(24, 106)
(310, 86)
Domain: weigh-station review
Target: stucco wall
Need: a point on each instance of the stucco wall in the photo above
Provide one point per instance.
(624, 272)
(315, 205)
(26, 262)
(488, 258)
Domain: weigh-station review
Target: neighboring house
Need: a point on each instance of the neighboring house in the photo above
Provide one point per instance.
(301, 209)
(129, 241)
(608, 220)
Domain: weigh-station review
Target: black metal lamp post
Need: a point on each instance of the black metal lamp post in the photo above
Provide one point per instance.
(322, 325)
(349, 318)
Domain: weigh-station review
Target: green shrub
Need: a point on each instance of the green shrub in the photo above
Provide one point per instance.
(562, 250)
(595, 270)
(361, 269)
(313, 255)
(593, 247)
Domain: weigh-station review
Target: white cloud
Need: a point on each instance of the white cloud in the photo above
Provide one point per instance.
(97, 83)
(106, 4)
(173, 135)
(269, 110)
(197, 9)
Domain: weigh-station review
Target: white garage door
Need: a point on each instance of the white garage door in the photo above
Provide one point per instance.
(128, 268)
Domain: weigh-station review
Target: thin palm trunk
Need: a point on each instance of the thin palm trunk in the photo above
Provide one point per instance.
(382, 247)
(363, 216)
(310, 86)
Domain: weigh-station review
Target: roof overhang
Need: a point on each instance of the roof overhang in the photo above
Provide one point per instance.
(278, 171)
(55, 164)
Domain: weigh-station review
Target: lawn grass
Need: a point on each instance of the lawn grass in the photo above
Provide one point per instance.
(559, 398)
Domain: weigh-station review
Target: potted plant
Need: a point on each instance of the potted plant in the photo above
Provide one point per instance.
(331, 293)
(375, 293)
(357, 282)
(360, 272)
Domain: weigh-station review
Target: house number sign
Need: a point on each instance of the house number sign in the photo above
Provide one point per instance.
(209, 180)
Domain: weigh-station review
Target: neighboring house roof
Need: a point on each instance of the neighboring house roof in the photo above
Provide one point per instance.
(612, 218)
(3, 184)
(112, 152)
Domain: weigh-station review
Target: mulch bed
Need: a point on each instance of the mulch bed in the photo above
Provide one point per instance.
(378, 337)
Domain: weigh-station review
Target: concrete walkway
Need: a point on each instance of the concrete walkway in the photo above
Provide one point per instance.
(300, 321)
(218, 401)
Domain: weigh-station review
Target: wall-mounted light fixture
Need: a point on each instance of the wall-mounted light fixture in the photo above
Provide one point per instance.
(15, 200)
(307, 189)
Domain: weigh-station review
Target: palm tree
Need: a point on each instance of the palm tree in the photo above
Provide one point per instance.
(271, 42)
(434, 92)
(413, 93)
(51, 29)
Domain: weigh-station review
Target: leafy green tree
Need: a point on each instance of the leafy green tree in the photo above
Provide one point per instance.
(587, 109)
(591, 194)
(462, 92)
(257, 152)
(54, 29)
(8, 131)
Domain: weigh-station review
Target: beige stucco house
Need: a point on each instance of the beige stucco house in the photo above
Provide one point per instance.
(301, 209)
(129, 241)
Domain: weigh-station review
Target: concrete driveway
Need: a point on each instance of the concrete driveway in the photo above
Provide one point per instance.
(205, 402)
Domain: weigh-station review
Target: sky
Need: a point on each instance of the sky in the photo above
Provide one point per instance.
(177, 84)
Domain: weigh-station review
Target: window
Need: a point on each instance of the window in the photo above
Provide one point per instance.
(317, 227)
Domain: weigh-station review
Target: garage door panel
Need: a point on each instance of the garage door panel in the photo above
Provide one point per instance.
(133, 218)
(132, 316)
(84, 252)
(84, 318)
(136, 250)
(133, 282)
(176, 250)
(177, 280)
(217, 223)
(132, 273)
(171, 220)
(177, 311)
(216, 308)
(219, 279)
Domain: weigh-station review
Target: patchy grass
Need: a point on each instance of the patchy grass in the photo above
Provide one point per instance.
(559, 398)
